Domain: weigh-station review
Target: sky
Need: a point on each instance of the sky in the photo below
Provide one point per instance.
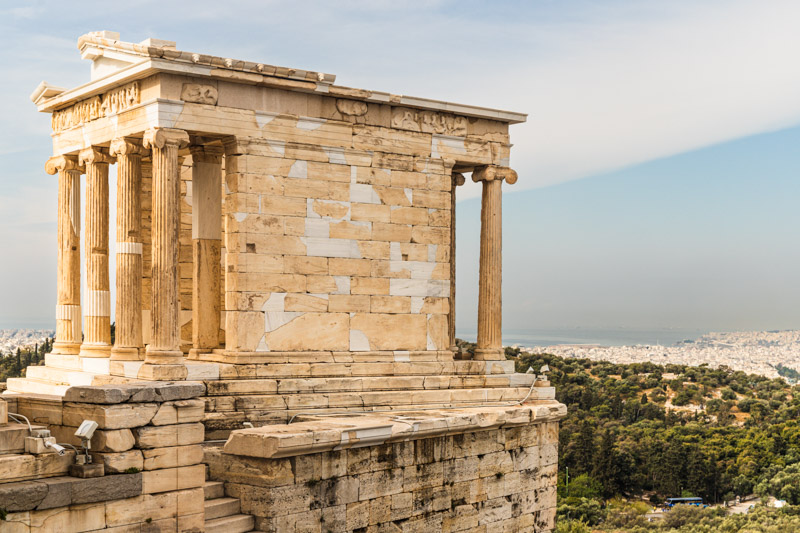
(658, 168)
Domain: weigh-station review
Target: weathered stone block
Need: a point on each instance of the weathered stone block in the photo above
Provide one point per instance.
(114, 440)
(170, 479)
(171, 457)
(179, 412)
(126, 415)
(117, 463)
(171, 435)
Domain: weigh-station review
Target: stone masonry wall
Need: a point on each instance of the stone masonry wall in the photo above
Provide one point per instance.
(350, 243)
(149, 441)
(496, 480)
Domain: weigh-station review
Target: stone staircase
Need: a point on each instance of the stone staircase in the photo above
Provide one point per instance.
(223, 514)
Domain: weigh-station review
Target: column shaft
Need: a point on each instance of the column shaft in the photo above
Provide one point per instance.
(165, 341)
(490, 298)
(458, 179)
(206, 246)
(128, 340)
(97, 311)
(68, 306)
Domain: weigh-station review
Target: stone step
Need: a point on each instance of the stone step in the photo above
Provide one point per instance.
(363, 369)
(364, 384)
(214, 490)
(60, 376)
(240, 523)
(36, 386)
(12, 437)
(67, 362)
(375, 398)
(221, 507)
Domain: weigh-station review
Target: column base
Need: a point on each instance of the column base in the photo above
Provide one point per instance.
(158, 372)
(195, 353)
(163, 357)
(490, 354)
(95, 350)
(120, 353)
(66, 348)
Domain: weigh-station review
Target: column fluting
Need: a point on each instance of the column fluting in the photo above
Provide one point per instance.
(97, 308)
(128, 339)
(490, 298)
(165, 342)
(68, 304)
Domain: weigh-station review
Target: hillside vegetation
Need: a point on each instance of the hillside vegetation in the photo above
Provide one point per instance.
(643, 432)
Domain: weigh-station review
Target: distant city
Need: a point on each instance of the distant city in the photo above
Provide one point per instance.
(11, 339)
(754, 352)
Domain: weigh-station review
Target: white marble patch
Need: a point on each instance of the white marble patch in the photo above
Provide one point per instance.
(279, 147)
(316, 227)
(241, 216)
(263, 118)
(409, 192)
(363, 193)
(299, 169)
(324, 247)
(402, 356)
(395, 252)
(202, 371)
(275, 302)
(416, 303)
(309, 123)
(358, 341)
(419, 287)
(276, 319)
(453, 144)
(342, 284)
(432, 248)
(335, 155)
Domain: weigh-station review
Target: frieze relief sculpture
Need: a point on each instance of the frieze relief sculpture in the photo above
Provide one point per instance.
(199, 94)
(429, 122)
(112, 102)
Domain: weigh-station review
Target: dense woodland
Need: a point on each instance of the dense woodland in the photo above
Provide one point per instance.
(643, 432)
(13, 365)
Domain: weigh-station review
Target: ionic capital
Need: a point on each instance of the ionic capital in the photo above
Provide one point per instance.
(161, 137)
(458, 179)
(94, 156)
(59, 163)
(127, 146)
(208, 153)
(494, 172)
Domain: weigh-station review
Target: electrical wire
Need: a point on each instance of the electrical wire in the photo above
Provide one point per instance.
(16, 416)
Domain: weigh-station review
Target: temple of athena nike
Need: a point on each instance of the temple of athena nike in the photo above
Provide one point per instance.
(283, 354)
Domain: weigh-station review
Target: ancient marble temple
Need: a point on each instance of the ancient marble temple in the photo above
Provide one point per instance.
(288, 243)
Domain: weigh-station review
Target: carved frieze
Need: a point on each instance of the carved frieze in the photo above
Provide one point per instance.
(352, 108)
(429, 122)
(112, 102)
(199, 94)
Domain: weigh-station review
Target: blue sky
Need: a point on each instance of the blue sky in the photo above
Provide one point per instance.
(658, 168)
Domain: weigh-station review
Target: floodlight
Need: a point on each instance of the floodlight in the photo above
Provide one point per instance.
(544, 370)
(86, 430)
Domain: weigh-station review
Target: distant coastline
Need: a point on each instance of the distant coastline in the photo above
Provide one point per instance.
(593, 336)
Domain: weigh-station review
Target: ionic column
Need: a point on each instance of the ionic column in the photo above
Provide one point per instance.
(457, 180)
(128, 339)
(206, 246)
(68, 306)
(97, 311)
(164, 358)
(490, 299)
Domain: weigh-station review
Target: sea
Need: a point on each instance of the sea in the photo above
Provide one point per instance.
(591, 336)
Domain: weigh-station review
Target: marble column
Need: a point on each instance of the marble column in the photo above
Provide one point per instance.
(97, 309)
(490, 299)
(68, 306)
(457, 180)
(128, 343)
(164, 358)
(206, 246)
